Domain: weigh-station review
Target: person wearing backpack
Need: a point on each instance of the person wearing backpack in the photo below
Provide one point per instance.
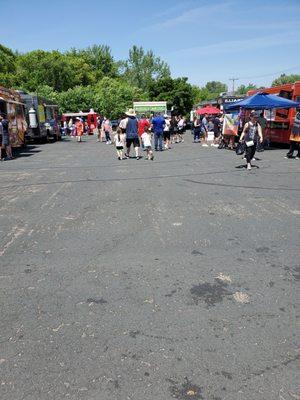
(252, 135)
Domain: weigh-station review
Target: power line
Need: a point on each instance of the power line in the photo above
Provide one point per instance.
(275, 73)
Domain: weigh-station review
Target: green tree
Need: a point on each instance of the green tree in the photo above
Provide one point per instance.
(79, 98)
(243, 89)
(99, 59)
(199, 94)
(7, 60)
(177, 92)
(214, 89)
(113, 96)
(283, 79)
(7, 66)
(48, 92)
(54, 69)
(39, 67)
(143, 68)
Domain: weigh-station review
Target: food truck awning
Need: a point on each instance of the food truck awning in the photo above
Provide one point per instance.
(75, 114)
(12, 101)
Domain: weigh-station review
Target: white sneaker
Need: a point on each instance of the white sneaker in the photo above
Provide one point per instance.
(205, 145)
(249, 167)
(253, 159)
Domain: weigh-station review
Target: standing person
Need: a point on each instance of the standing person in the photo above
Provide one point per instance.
(107, 130)
(204, 130)
(158, 124)
(180, 129)
(132, 136)
(123, 123)
(119, 140)
(217, 130)
(174, 129)
(295, 138)
(79, 129)
(4, 135)
(86, 128)
(263, 123)
(65, 128)
(143, 125)
(197, 128)
(99, 127)
(146, 138)
(167, 137)
(252, 134)
(71, 126)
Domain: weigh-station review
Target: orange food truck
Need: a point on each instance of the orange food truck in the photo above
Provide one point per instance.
(13, 108)
(280, 121)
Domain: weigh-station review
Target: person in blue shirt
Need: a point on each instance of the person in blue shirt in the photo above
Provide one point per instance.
(157, 125)
(132, 137)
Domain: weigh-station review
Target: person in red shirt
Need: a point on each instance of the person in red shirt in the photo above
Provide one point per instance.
(143, 126)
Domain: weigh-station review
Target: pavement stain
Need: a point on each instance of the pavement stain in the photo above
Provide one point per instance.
(263, 249)
(96, 301)
(197, 253)
(186, 390)
(210, 293)
(171, 294)
(134, 334)
(227, 375)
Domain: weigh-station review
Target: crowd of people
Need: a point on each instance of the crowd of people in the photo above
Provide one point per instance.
(160, 132)
(157, 133)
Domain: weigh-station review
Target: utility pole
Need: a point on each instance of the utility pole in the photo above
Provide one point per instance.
(233, 80)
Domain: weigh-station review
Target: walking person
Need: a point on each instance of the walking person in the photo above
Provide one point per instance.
(107, 130)
(204, 130)
(147, 142)
(119, 140)
(181, 126)
(132, 136)
(252, 135)
(143, 125)
(158, 124)
(79, 129)
(5, 139)
(167, 137)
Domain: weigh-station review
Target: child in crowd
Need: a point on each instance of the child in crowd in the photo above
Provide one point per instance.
(119, 140)
(146, 138)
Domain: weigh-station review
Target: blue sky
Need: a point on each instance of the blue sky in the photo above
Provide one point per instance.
(203, 40)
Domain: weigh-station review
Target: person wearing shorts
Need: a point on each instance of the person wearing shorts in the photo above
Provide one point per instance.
(146, 139)
(132, 137)
(167, 134)
(119, 140)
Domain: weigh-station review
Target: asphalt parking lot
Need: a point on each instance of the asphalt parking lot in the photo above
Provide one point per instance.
(135, 280)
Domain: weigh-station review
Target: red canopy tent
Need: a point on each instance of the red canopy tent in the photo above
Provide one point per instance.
(208, 110)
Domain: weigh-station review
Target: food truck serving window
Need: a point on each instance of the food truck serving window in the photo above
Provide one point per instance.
(49, 112)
